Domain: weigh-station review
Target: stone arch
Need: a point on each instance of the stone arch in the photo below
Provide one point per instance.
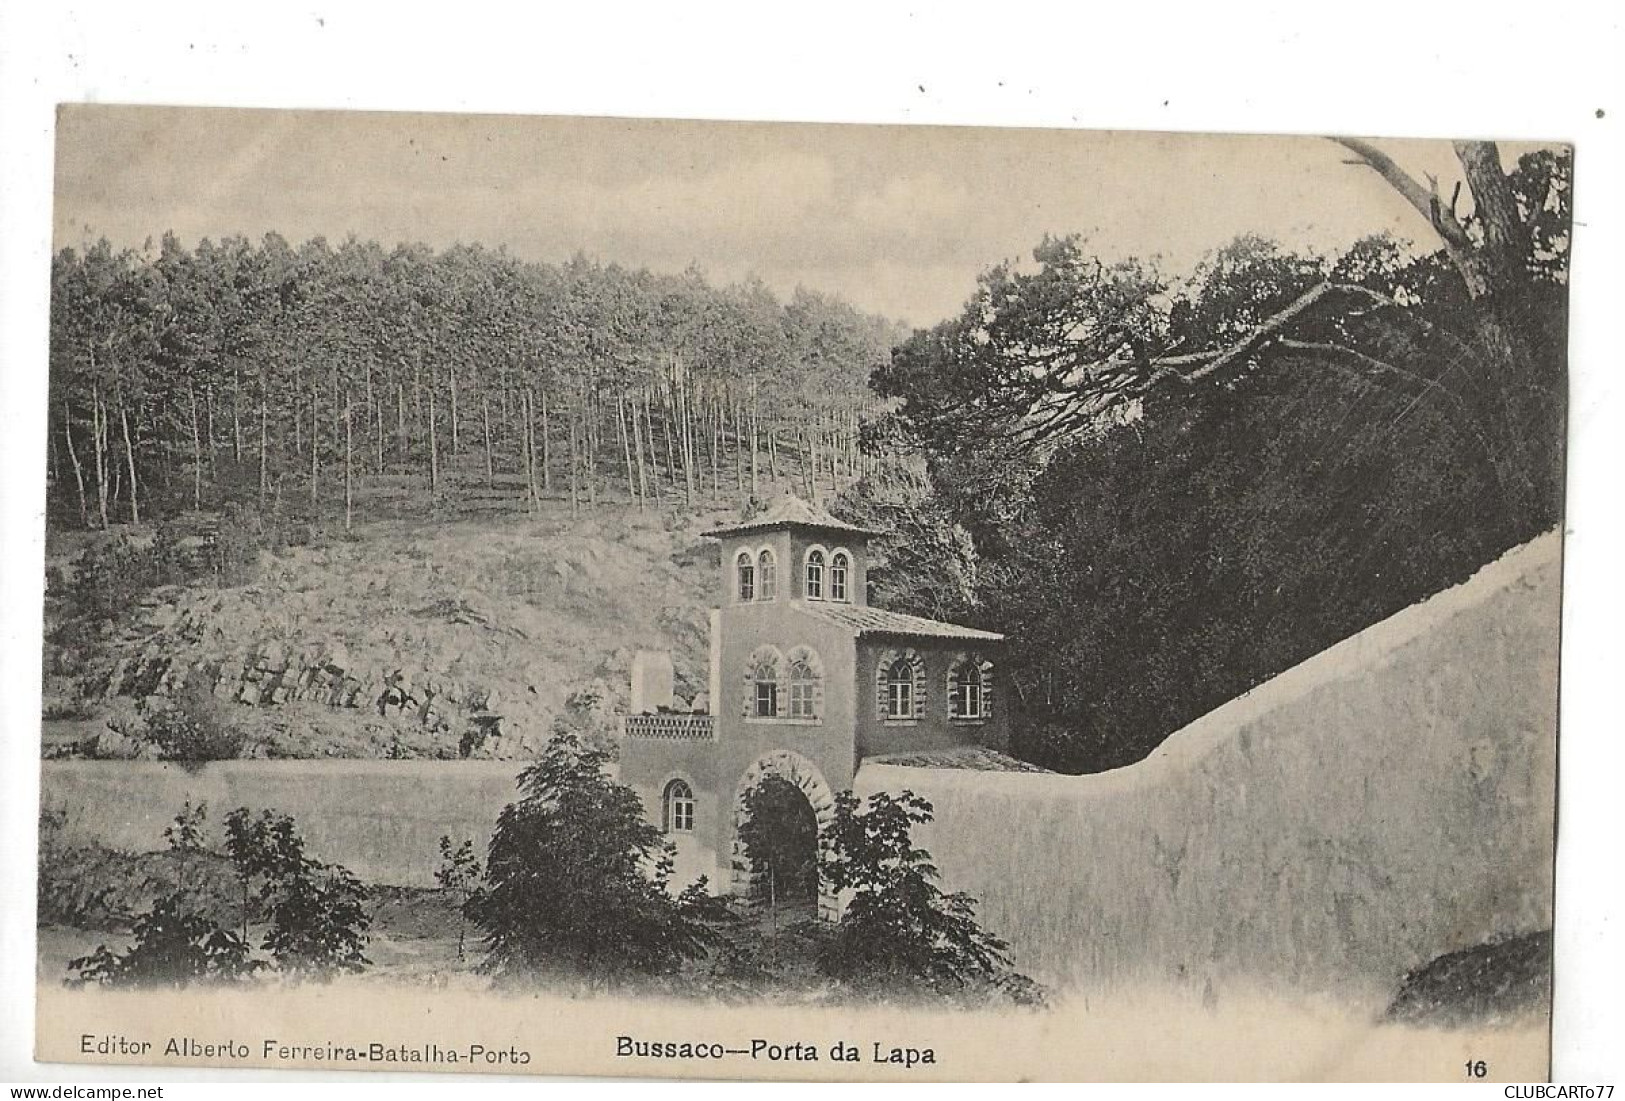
(797, 770)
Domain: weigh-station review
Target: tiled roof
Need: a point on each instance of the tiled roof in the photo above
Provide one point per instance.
(791, 509)
(878, 621)
(973, 757)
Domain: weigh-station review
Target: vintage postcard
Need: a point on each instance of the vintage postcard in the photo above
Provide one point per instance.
(732, 600)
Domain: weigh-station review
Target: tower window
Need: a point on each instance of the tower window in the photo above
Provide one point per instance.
(767, 699)
(806, 684)
(766, 577)
(762, 684)
(679, 807)
(838, 566)
(815, 574)
(747, 578)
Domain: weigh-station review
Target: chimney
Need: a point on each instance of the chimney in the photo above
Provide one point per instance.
(652, 677)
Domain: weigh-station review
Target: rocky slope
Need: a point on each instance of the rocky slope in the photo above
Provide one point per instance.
(409, 639)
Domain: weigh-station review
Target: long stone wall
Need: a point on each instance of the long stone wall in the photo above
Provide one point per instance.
(380, 819)
(1387, 801)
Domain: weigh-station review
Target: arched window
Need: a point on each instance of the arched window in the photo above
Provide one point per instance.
(815, 574)
(970, 690)
(806, 684)
(838, 566)
(679, 807)
(762, 684)
(766, 578)
(747, 577)
(901, 683)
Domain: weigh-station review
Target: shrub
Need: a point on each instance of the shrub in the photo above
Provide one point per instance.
(192, 727)
(576, 878)
(458, 875)
(90, 886)
(318, 920)
(899, 929)
(174, 946)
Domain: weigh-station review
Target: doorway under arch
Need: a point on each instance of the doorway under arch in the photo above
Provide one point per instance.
(793, 786)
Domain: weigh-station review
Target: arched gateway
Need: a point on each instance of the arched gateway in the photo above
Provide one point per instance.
(803, 684)
(796, 770)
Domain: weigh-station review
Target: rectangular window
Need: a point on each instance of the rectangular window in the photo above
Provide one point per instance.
(682, 815)
(900, 700)
(767, 699)
(837, 583)
(968, 700)
(802, 702)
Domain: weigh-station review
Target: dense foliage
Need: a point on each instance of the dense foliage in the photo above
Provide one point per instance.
(1166, 492)
(900, 930)
(576, 879)
(780, 837)
(314, 913)
(181, 377)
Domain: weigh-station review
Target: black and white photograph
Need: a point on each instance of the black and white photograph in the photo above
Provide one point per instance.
(566, 595)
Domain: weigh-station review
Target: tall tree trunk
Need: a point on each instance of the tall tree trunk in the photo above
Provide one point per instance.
(626, 450)
(575, 500)
(98, 439)
(485, 420)
(402, 441)
(214, 445)
(654, 454)
(73, 457)
(637, 439)
(265, 474)
(315, 450)
(197, 451)
(547, 448)
(456, 436)
(434, 449)
(129, 457)
(528, 446)
(349, 494)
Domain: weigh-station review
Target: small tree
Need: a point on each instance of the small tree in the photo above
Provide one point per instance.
(318, 922)
(174, 946)
(576, 878)
(317, 912)
(185, 835)
(265, 851)
(458, 875)
(899, 926)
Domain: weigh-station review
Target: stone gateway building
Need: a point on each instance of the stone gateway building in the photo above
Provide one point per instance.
(807, 681)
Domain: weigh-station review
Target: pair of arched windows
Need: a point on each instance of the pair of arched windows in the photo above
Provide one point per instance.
(756, 576)
(902, 694)
(678, 807)
(828, 575)
(780, 687)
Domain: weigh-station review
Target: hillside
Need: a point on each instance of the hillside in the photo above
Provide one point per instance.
(405, 639)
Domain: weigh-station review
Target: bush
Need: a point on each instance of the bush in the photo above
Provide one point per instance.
(899, 930)
(576, 879)
(90, 886)
(192, 727)
(315, 912)
(318, 921)
(174, 946)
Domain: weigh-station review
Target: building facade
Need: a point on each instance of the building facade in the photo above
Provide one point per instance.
(806, 681)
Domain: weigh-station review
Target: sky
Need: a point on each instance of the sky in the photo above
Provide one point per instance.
(897, 220)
